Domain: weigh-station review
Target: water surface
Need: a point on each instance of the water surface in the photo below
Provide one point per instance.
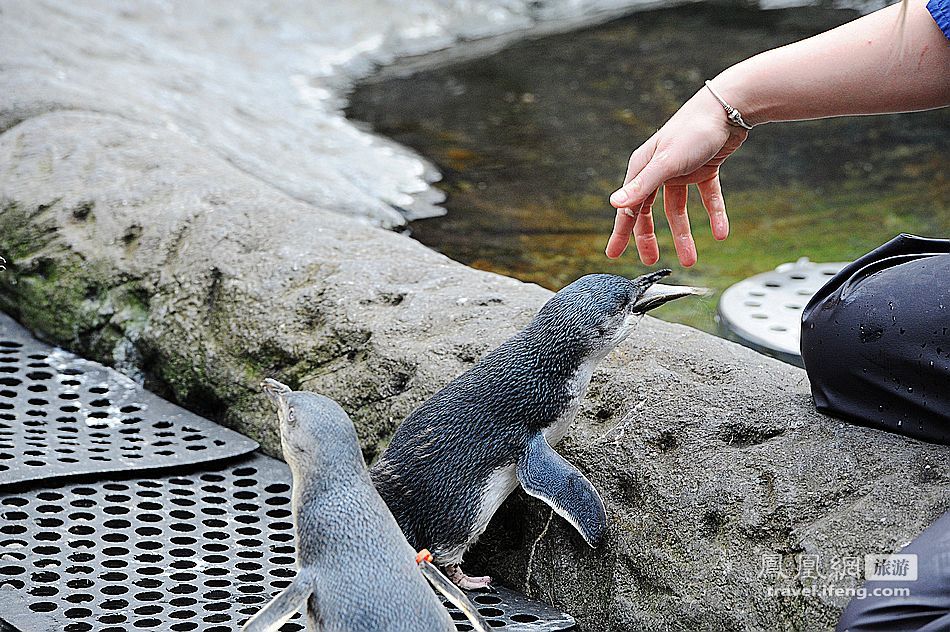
(532, 139)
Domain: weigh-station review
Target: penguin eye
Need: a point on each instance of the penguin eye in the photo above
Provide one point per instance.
(601, 332)
(291, 416)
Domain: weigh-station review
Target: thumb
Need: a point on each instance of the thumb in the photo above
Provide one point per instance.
(650, 178)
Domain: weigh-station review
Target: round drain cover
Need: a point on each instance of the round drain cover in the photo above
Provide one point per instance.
(764, 312)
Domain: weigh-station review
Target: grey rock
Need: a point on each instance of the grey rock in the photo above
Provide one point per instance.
(710, 458)
(708, 455)
(128, 242)
(180, 197)
(258, 84)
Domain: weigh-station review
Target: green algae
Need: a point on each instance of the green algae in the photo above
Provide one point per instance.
(73, 301)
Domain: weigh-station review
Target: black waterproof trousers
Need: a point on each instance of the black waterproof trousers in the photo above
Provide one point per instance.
(876, 346)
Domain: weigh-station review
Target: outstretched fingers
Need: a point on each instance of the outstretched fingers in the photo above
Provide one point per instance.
(645, 233)
(711, 193)
(674, 203)
(640, 223)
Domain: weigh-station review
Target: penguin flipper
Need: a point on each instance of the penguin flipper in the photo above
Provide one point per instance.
(281, 607)
(545, 474)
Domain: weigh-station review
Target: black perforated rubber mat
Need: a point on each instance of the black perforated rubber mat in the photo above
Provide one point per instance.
(202, 550)
(61, 415)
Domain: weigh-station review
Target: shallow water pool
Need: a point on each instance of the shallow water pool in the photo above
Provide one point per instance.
(532, 139)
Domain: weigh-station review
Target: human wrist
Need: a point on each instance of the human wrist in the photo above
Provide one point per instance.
(736, 89)
(705, 104)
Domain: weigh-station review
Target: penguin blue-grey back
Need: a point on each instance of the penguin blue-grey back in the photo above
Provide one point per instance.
(355, 570)
(455, 459)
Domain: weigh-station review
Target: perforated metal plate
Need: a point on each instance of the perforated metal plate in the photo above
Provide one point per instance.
(507, 610)
(202, 550)
(61, 415)
(764, 312)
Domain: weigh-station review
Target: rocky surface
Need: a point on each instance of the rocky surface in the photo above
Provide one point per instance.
(712, 461)
(256, 83)
(167, 206)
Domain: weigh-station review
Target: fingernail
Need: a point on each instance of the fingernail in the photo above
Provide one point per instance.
(622, 195)
(629, 212)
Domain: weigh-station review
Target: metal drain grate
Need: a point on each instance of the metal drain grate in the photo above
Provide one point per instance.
(203, 550)
(61, 415)
(764, 312)
(191, 551)
(508, 610)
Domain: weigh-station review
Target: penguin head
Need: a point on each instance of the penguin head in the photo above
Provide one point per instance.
(598, 311)
(315, 433)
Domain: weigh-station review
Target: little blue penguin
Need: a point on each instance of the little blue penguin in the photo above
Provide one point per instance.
(455, 459)
(355, 570)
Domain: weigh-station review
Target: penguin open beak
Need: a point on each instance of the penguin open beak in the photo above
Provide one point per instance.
(657, 294)
(274, 390)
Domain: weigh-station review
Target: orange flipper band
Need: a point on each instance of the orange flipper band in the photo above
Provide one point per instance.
(452, 592)
(423, 556)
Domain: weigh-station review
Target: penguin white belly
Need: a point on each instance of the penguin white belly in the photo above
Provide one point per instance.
(504, 480)
(577, 390)
(497, 488)
(578, 384)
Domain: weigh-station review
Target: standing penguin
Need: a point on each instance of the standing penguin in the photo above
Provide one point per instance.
(355, 570)
(456, 458)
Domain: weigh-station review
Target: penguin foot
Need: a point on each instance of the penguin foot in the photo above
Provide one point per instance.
(463, 581)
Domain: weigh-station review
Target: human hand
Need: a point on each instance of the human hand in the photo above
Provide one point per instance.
(688, 149)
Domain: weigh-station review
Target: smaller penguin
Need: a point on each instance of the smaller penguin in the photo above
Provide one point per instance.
(455, 459)
(355, 570)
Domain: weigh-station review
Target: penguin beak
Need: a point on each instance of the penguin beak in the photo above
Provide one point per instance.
(657, 294)
(274, 390)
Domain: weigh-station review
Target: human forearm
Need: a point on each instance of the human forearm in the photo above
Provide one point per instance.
(867, 66)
